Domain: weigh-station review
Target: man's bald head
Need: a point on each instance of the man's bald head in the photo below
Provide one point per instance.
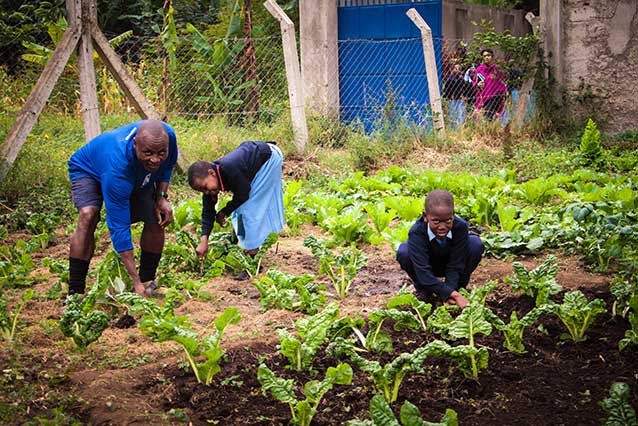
(151, 144)
(151, 131)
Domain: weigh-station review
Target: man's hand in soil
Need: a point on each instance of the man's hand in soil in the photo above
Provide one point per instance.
(457, 299)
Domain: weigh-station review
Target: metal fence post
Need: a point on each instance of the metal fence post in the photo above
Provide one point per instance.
(293, 74)
(430, 69)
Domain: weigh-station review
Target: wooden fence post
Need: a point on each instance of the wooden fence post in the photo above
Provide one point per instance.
(86, 74)
(293, 74)
(41, 91)
(431, 70)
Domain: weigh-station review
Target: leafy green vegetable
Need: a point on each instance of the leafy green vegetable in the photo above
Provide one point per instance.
(79, 321)
(238, 260)
(349, 225)
(471, 321)
(382, 415)
(303, 411)
(577, 314)
(311, 332)
(539, 282)
(15, 265)
(181, 256)
(280, 290)
(161, 324)
(404, 299)
(618, 406)
(341, 268)
(631, 335)
(625, 293)
(514, 330)
(380, 217)
(8, 324)
(590, 148)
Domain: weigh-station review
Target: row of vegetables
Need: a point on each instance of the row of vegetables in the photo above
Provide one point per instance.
(587, 212)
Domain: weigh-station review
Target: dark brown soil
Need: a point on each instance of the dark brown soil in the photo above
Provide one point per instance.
(124, 378)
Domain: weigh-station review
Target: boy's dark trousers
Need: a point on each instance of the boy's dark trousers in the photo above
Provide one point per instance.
(475, 252)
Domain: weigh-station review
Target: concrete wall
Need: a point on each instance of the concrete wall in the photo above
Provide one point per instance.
(458, 17)
(595, 43)
(319, 55)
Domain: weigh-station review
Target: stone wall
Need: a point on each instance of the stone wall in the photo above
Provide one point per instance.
(458, 18)
(594, 56)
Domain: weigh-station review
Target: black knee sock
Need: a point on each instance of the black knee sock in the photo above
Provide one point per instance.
(148, 265)
(78, 269)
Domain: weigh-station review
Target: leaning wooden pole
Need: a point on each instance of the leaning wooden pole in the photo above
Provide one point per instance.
(86, 75)
(41, 91)
(431, 71)
(293, 74)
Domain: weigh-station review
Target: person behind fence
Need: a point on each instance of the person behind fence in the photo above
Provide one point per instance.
(440, 245)
(253, 173)
(457, 91)
(491, 91)
(128, 169)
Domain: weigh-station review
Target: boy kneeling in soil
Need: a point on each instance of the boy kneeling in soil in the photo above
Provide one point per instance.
(252, 172)
(439, 245)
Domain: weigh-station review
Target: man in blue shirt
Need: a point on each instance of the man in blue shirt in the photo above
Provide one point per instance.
(128, 169)
(439, 245)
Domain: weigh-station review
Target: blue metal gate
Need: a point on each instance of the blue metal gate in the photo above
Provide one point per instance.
(381, 70)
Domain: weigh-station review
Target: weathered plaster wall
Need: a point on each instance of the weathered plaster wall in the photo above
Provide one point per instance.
(600, 49)
(458, 18)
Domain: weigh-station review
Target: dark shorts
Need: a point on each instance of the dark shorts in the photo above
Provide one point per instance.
(87, 191)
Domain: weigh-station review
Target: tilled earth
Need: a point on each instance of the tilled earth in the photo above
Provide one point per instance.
(125, 379)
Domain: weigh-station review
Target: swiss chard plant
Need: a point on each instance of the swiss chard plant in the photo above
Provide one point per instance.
(380, 217)
(631, 334)
(341, 268)
(16, 265)
(472, 320)
(409, 301)
(280, 290)
(618, 406)
(625, 292)
(238, 260)
(514, 330)
(577, 314)
(9, 320)
(311, 334)
(378, 340)
(539, 282)
(181, 256)
(349, 225)
(80, 321)
(161, 324)
(303, 411)
(381, 414)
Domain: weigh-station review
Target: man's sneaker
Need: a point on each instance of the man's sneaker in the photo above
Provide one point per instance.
(152, 289)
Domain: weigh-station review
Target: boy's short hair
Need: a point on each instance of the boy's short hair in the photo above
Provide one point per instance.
(490, 51)
(439, 197)
(198, 170)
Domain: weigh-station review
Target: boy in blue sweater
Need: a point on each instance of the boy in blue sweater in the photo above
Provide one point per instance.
(439, 245)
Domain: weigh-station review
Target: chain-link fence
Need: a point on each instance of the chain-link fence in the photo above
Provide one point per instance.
(240, 78)
(244, 79)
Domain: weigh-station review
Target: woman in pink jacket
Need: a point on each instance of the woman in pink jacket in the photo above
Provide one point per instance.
(490, 88)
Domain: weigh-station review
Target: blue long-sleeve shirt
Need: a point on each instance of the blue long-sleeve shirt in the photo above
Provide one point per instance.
(110, 159)
(235, 172)
(430, 259)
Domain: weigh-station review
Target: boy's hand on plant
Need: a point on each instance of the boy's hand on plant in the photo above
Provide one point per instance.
(457, 299)
(221, 219)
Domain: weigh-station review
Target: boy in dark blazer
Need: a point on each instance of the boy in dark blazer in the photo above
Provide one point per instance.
(439, 245)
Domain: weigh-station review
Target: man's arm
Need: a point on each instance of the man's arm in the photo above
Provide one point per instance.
(128, 259)
(117, 192)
